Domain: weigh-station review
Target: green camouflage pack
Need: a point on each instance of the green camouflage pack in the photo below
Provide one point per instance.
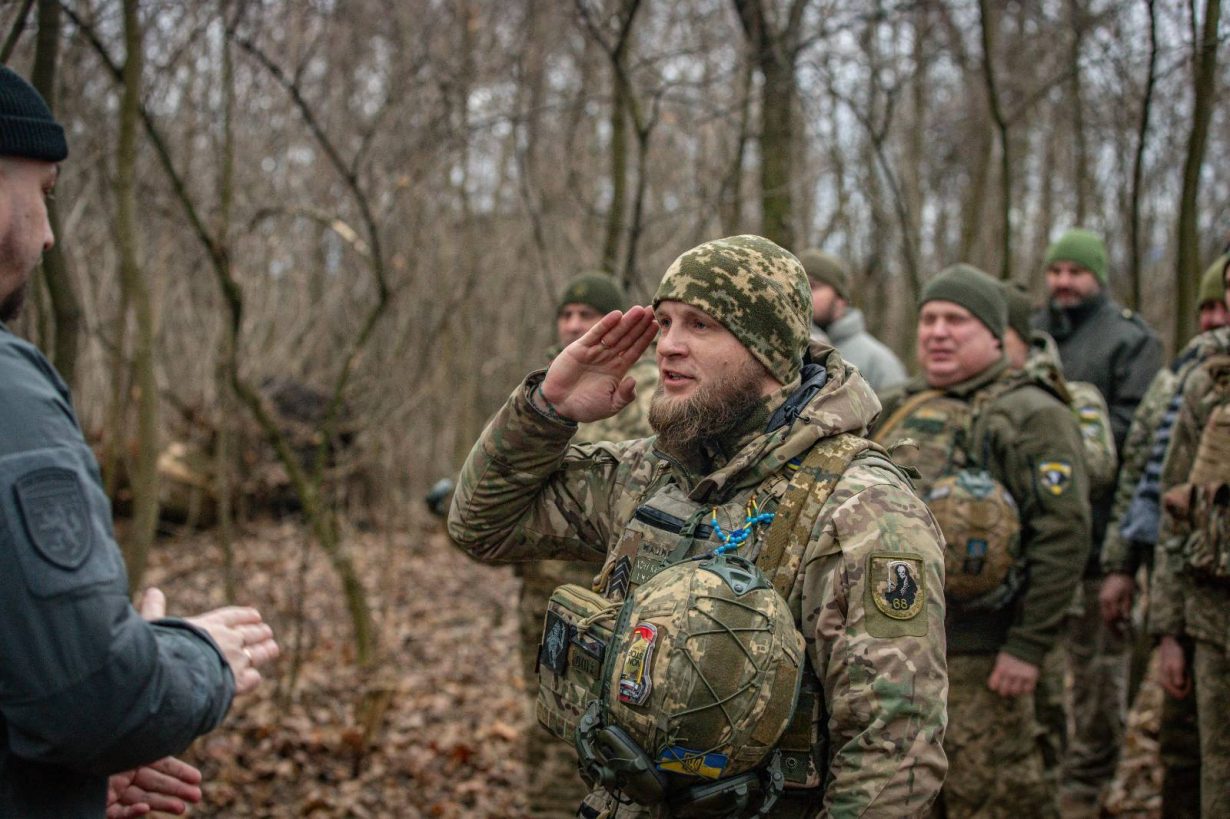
(934, 433)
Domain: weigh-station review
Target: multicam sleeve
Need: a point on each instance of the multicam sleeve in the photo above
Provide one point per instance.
(1118, 555)
(872, 602)
(525, 494)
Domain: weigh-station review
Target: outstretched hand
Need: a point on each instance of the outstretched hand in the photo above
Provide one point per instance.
(245, 640)
(168, 785)
(589, 380)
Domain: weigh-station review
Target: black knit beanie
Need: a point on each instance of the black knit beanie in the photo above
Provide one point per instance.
(599, 290)
(27, 128)
(969, 287)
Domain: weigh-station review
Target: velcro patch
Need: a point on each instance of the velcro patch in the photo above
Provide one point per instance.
(681, 760)
(897, 585)
(556, 635)
(56, 515)
(1055, 476)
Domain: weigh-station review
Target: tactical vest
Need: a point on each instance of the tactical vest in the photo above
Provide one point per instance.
(1202, 506)
(938, 435)
(581, 626)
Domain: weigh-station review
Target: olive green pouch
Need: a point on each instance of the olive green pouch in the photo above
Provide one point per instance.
(576, 635)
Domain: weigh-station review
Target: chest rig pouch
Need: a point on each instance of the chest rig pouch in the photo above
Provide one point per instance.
(1201, 507)
(976, 513)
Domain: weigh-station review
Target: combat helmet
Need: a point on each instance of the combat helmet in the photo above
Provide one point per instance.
(699, 683)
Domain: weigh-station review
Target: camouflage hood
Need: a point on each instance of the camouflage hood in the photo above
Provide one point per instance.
(828, 398)
(1045, 367)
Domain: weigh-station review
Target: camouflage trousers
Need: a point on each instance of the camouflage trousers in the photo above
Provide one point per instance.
(1098, 657)
(554, 788)
(1179, 745)
(993, 746)
(1212, 674)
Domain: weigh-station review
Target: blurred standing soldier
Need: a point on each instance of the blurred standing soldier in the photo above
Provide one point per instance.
(555, 789)
(735, 412)
(1132, 535)
(1190, 588)
(978, 422)
(1035, 351)
(1112, 348)
(843, 324)
(89, 687)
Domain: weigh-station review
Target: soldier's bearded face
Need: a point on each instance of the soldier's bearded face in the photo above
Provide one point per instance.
(25, 232)
(1213, 314)
(953, 345)
(715, 407)
(709, 380)
(1069, 284)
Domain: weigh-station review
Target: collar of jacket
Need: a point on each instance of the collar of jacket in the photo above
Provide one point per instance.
(847, 327)
(1065, 320)
(840, 401)
(968, 387)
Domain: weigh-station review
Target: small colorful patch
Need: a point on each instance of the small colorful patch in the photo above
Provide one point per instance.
(694, 763)
(1090, 418)
(898, 585)
(635, 682)
(553, 653)
(1055, 476)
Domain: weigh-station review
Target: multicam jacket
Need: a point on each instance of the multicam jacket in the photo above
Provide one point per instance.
(525, 493)
(1180, 603)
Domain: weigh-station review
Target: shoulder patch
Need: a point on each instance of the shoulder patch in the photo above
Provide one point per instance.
(1127, 313)
(56, 515)
(1055, 475)
(897, 588)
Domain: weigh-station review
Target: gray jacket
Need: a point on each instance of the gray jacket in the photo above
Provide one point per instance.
(874, 360)
(87, 687)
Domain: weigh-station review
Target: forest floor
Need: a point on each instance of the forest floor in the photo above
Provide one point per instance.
(449, 711)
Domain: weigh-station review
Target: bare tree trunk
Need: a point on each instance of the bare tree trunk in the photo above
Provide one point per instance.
(1204, 81)
(1138, 162)
(618, 176)
(1001, 127)
(1080, 159)
(145, 472)
(65, 306)
(19, 25)
(775, 53)
(730, 195)
(225, 454)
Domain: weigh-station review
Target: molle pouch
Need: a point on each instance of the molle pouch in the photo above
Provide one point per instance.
(575, 637)
(1207, 548)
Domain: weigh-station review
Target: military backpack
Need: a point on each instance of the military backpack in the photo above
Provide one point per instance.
(934, 433)
(1201, 507)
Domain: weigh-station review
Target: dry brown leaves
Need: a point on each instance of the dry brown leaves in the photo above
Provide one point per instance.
(440, 732)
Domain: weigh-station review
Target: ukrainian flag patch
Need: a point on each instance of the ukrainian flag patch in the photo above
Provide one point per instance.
(693, 763)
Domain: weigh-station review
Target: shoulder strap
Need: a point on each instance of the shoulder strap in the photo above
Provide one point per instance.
(902, 412)
(807, 491)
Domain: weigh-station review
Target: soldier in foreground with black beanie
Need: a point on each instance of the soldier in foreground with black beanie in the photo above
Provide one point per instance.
(94, 695)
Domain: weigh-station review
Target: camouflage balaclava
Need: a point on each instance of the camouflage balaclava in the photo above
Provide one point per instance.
(599, 290)
(756, 289)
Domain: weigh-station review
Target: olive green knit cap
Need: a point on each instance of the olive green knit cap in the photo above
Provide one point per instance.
(827, 269)
(1019, 309)
(969, 287)
(1082, 247)
(599, 290)
(756, 289)
(1213, 283)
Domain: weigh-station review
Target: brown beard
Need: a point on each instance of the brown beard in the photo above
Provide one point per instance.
(717, 408)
